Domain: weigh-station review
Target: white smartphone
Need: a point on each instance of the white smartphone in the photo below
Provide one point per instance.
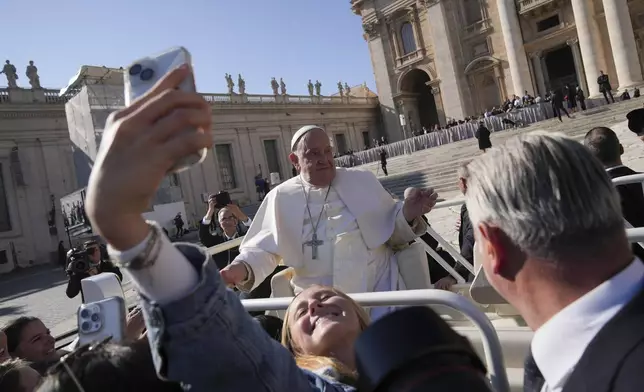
(101, 319)
(144, 73)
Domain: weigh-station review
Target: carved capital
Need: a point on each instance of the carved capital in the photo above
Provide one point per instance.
(371, 29)
(412, 15)
(572, 41)
(537, 55)
(429, 3)
(435, 90)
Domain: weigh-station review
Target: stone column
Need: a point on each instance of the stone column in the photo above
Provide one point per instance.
(579, 65)
(381, 56)
(640, 50)
(622, 42)
(445, 60)
(513, 40)
(538, 72)
(438, 101)
(415, 22)
(544, 71)
(500, 80)
(393, 39)
(589, 43)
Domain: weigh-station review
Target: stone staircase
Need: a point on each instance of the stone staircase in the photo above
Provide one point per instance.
(437, 166)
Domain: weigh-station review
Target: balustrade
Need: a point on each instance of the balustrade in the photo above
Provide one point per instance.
(409, 58)
(527, 5)
(50, 96)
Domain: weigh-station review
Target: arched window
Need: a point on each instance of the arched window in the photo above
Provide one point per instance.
(408, 39)
(473, 11)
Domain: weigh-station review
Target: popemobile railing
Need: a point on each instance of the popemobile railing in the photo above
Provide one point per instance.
(489, 339)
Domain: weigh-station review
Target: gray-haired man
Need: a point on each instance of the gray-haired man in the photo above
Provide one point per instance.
(550, 233)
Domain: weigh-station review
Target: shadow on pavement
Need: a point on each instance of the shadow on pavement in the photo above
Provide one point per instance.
(11, 311)
(397, 183)
(25, 282)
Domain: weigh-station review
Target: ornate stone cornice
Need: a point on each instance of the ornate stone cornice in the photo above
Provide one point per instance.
(13, 114)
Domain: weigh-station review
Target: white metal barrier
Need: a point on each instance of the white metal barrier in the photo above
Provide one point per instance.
(489, 338)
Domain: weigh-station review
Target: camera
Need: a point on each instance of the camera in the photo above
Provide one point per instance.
(222, 199)
(145, 74)
(78, 261)
(90, 318)
(414, 350)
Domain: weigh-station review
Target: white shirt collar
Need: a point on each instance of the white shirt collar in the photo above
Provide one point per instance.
(559, 344)
(230, 238)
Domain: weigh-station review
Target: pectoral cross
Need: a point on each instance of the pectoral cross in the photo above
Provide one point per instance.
(314, 243)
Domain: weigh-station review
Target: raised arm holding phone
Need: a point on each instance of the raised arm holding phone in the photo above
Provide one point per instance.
(187, 307)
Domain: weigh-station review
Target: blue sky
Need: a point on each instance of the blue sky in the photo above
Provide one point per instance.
(294, 39)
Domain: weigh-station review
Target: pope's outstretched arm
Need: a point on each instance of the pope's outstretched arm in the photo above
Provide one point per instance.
(258, 252)
(404, 231)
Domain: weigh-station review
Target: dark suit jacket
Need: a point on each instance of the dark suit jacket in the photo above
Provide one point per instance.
(614, 360)
(604, 83)
(208, 240)
(632, 198)
(222, 259)
(436, 271)
(466, 236)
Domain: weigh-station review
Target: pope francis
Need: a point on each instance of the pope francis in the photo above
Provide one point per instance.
(334, 226)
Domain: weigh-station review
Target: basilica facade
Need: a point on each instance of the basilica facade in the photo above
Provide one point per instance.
(435, 60)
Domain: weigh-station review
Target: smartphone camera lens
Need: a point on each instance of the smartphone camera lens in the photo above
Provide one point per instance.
(86, 326)
(84, 313)
(95, 317)
(146, 74)
(136, 69)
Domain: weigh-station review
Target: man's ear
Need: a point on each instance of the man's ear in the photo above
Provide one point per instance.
(492, 247)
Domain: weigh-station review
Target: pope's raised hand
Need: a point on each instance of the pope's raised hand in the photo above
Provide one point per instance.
(419, 202)
(141, 143)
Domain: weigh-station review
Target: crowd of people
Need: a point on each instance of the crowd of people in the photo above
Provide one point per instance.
(541, 216)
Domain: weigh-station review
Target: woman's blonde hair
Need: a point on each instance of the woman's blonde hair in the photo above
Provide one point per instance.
(315, 362)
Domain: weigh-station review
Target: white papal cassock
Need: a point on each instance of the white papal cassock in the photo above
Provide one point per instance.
(359, 224)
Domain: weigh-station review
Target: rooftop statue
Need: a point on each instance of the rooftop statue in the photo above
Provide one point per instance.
(241, 83)
(274, 85)
(318, 87)
(282, 87)
(310, 87)
(32, 75)
(10, 72)
(230, 83)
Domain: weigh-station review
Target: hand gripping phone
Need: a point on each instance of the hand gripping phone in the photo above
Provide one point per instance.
(144, 73)
(102, 319)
